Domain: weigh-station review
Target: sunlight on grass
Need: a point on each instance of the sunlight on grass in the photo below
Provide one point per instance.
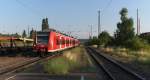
(59, 66)
(142, 58)
(74, 60)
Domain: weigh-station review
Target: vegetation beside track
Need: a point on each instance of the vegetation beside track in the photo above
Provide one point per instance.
(136, 59)
(125, 45)
(74, 60)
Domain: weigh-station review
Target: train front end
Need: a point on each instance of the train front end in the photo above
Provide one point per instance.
(41, 45)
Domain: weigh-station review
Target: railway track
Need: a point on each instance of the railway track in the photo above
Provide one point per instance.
(112, 69)
(17, 67)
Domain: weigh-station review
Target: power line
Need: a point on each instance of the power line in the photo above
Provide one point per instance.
(106, 7)
(29, 8)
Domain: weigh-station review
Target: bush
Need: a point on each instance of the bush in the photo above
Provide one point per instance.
(136, 44)
(93, 41)
(104, 38)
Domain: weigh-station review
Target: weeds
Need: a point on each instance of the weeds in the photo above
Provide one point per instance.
(74, 60)
(141, 58)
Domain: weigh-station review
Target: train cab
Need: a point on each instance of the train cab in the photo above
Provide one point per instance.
(42, 39)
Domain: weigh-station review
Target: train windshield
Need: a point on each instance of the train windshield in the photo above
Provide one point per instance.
(42, 37)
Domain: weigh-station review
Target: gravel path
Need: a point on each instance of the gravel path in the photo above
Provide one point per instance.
(7, 61)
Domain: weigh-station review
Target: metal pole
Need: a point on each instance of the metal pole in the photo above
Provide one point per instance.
(28, 31)
(139, 27)
(91, 31)
(137, 22)
(99, 22)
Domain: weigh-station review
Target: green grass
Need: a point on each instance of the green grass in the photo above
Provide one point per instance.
(60, 65)
(139, 58)
(74, 60)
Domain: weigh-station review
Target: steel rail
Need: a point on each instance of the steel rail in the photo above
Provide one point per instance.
(100, 65)
(117, 64)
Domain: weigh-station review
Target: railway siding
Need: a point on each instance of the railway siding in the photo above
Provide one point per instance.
(17, 64)
(116, 70)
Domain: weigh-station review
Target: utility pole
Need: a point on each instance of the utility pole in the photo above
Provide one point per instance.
(139, 26)
(99, 25)
(137, 22)
(89, 35)
(28, 31)
(91, 31)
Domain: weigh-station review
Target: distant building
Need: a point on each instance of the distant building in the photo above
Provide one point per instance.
(45, 25)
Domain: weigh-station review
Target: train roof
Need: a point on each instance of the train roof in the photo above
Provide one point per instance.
(53, 30)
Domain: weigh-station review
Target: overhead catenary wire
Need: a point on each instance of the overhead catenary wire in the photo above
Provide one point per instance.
(35, 12)
(107, 6)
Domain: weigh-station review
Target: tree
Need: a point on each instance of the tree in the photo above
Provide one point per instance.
(45, 25)
(16, 35)
(93, 41)
(145, 37)
(125, 30)
(104, 38)
(24, 34)
(32, 34)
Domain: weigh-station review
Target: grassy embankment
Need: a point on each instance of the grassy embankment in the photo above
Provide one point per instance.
(74, 60)
(140, 59)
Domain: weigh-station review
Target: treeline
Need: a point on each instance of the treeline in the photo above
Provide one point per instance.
(124, 35)
(32, 34)
(24, 34)
(9, 35)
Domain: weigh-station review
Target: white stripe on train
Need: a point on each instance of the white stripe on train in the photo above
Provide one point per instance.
(59, 49)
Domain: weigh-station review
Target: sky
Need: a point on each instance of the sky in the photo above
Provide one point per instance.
(75, 16)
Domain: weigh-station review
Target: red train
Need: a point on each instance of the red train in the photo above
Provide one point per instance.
(52, 41)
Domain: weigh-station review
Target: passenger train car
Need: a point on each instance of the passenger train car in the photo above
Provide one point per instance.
(52, 41)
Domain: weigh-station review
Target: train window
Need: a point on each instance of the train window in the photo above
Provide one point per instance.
(63, 41)
(67, 41)
(73, 41)
(57, 41)
(42, 37)
(60, 41)
(70, 41)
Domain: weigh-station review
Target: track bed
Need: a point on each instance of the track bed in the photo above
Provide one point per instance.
(7, 61)
(112, 69)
